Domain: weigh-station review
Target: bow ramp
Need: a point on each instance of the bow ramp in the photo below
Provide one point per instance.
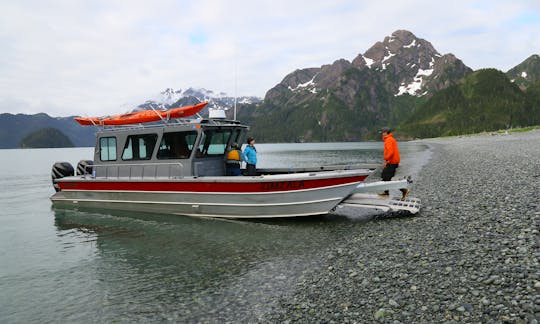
(367, 195)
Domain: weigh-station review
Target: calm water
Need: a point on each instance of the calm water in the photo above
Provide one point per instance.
(95, 266)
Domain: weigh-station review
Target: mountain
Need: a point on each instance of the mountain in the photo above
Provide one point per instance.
(414, 63)
(13, 128)
(484, 100)
(350, 100)
(526, 73)
(46, 138)
(170, 98)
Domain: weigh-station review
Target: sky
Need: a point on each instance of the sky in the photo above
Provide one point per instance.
(100, 57)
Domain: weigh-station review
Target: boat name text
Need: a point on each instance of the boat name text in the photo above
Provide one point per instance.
(286, 185)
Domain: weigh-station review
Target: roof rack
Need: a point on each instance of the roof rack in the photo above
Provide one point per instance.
(159, 123)
(168, 123)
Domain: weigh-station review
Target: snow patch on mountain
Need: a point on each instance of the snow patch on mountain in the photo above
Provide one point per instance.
(412, 44)
(369, 62)
(416, 85)
(387, 57)
(309, 85)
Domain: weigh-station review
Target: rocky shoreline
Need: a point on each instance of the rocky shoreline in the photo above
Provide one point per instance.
(471, 255)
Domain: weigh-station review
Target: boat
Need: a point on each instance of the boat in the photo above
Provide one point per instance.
(143, 116)
(177, 166)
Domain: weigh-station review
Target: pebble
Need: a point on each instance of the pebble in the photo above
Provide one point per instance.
(470, 255)
(380, 314)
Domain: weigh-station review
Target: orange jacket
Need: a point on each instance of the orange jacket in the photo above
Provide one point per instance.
(391, 151)
(233, 156)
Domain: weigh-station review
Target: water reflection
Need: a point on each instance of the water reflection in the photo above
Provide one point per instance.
(191, 268)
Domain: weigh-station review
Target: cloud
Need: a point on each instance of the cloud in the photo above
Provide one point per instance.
(198, 37)
(98, 57)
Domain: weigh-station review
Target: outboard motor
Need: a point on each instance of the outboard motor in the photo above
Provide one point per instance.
(84, 167)
(60, 170)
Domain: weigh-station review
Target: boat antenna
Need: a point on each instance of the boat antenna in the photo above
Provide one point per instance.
(235, 80)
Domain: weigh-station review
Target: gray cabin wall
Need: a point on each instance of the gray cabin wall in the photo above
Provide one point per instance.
(163, 168)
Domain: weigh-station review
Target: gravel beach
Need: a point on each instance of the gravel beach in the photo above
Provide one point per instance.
(471, 254)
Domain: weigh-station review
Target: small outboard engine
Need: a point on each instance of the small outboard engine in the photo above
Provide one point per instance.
(84, 167)
(60, 170)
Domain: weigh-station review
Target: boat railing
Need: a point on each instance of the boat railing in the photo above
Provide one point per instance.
(139, 170)
(172, 122)
(156, 124)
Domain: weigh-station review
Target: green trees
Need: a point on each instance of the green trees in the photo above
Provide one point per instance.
(46, 138)
(485, 100)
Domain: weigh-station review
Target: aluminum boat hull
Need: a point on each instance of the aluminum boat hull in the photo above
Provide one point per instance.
(267, 196)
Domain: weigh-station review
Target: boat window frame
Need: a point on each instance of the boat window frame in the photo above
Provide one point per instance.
(205, 142)
(149, 152)
(238, 134)
(187, 133)
(109, 148)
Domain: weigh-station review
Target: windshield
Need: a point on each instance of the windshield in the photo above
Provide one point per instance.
(213, 142)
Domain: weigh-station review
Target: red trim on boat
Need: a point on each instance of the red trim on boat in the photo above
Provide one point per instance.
(262, 186)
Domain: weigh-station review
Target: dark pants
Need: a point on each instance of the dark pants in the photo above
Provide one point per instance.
(389, 171)
(251, 170)
(232, 169)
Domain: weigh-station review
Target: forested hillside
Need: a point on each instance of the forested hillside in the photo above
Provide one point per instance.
(485, 100)
(13, 128)
(46, 138)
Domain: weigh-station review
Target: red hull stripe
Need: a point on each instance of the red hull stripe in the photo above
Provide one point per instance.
(206, 186)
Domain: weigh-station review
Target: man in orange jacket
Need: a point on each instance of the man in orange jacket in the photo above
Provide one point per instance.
(391, 154)
(391, 158)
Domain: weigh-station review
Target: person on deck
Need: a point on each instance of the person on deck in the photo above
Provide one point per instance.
(390, 154)
(391, 159)
(233, 159)
(250, 156)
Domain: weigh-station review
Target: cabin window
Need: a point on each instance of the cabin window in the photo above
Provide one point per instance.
(177, 145)
(237, 137)
(107, 148)
(213, 142)
(139, 147)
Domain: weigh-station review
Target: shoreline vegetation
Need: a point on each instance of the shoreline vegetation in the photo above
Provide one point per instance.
(497, 132)
(471, 254)
(504, 131)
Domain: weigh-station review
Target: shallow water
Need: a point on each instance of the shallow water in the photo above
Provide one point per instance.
(67, 265)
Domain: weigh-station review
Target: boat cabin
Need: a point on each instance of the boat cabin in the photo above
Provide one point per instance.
(175, 149)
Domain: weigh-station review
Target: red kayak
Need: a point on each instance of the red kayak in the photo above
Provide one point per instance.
(143, 116)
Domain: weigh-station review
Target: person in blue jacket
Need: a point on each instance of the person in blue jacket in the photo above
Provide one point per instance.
(250, 156)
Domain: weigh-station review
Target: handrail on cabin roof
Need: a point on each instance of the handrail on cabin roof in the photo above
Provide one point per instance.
(175, 122)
